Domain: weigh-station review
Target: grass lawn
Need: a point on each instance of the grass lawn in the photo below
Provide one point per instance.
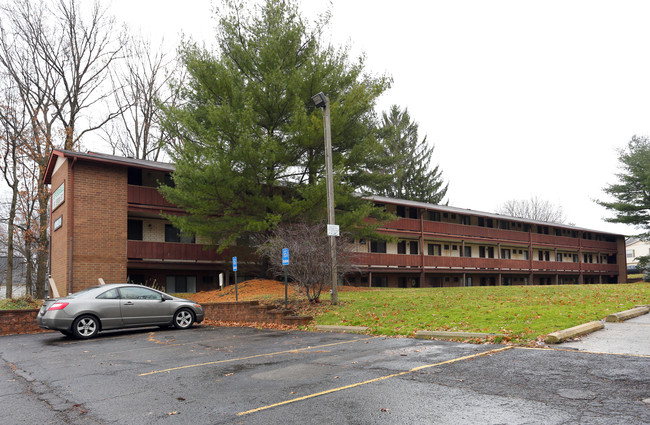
(524, 313)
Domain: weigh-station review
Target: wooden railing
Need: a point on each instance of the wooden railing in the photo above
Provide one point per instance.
(144, 195)
(184, 251)
(459, 231)
(443, 262)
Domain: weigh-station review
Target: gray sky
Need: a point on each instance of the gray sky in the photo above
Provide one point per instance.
(520, 98)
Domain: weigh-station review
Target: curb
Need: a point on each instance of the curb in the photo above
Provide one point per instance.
(627, 314)
(334, 328)
(586, 328)
(452, 335)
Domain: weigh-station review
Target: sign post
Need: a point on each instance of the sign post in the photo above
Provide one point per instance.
(234, 268)
(285, 263)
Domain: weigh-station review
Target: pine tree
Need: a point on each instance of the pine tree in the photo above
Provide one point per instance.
(408, 171)
(251, 151)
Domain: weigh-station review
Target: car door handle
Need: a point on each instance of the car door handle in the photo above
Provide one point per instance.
(128, 303)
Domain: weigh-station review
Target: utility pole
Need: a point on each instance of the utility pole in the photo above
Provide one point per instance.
(321, 101)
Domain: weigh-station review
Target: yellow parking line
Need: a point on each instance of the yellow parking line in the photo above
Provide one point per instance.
(583, 351)
(295, 350)
(415, 369)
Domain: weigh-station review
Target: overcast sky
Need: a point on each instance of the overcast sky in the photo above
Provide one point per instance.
(520, 98)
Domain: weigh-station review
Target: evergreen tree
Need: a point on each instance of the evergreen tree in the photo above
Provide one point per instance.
(251, 151)
(408, 169)
(632, 192)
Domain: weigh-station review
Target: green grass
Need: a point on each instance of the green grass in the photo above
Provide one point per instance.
(524, 313)
(22, 303)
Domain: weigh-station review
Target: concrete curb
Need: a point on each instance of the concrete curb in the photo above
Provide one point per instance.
(334, 328)
(586, 328)
(627, 314)
(452, 335)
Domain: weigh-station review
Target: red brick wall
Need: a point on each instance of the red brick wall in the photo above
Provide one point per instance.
(59, 237)
(18, 322)
(100, 224)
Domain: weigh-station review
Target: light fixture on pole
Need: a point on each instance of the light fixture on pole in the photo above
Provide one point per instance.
(321, 101)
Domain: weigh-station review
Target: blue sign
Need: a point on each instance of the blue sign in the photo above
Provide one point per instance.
(234, 264)
(285, 257)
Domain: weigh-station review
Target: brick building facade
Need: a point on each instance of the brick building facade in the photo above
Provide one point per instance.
(107, 221)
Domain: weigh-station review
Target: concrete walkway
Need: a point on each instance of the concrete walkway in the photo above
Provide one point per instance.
(630, 337)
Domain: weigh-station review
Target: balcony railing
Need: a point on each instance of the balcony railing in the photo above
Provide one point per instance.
(145, 195)
(184, 252)
(443, 262)
(460, 231)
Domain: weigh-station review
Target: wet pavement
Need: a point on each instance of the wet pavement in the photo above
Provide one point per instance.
(629, 337)
(211, 375)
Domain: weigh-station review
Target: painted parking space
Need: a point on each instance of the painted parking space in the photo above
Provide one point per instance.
(243, 375)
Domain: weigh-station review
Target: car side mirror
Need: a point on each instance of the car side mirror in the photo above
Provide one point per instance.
(166, 297)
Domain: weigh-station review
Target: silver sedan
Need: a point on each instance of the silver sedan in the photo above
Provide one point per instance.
(113, 306)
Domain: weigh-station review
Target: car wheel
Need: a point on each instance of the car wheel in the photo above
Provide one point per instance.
(85, 327)
(183, 319)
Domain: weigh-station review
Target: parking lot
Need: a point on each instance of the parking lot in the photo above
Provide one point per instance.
(210, 375)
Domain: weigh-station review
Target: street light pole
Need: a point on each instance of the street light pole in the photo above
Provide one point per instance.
(321, 101)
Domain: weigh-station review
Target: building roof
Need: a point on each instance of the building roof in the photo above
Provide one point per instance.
(455, 210)
(102, 158)
(167, 167)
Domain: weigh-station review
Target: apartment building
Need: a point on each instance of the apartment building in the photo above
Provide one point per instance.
(108, 221)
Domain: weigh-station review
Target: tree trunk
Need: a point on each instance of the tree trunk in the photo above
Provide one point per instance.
(43, 246)
(10, 239)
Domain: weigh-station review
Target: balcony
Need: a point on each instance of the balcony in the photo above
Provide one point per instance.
(183, 252)
(471, 263)
(145, 195)
(460, 231)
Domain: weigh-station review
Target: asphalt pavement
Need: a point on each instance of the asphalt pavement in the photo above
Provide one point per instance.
(629, 337)
(212, 375)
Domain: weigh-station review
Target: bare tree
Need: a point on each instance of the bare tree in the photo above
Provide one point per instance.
(58, 55)
(141, 88)
(534, 209)
(13, 126)
(309, 265)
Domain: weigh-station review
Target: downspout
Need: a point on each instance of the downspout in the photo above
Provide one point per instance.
(70, 222)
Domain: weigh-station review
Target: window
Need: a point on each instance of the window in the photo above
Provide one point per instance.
(575, 258)
(401, 211)
(454, 247)
(446, 247)
(380, 281)
(134, 230)
(481, 221)
(465, 219)
(434, 216)
(378, 246)
(111, 294)
(558, 257)
(434, 249)
(413, 247)
(490, 252)
(134, 176)
(401, 247)
(178, 284)
(481, 252)
(413, 213)
(526, 257)
(468, 251)
(172, 234)
(629, 253)
(139, 293)
(505, 225)
(505, 254)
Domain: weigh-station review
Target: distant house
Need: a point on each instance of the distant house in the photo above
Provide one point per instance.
(635, 248)
(19, 276)
(108, 220)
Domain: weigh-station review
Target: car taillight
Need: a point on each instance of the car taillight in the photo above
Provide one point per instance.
(58, 306)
